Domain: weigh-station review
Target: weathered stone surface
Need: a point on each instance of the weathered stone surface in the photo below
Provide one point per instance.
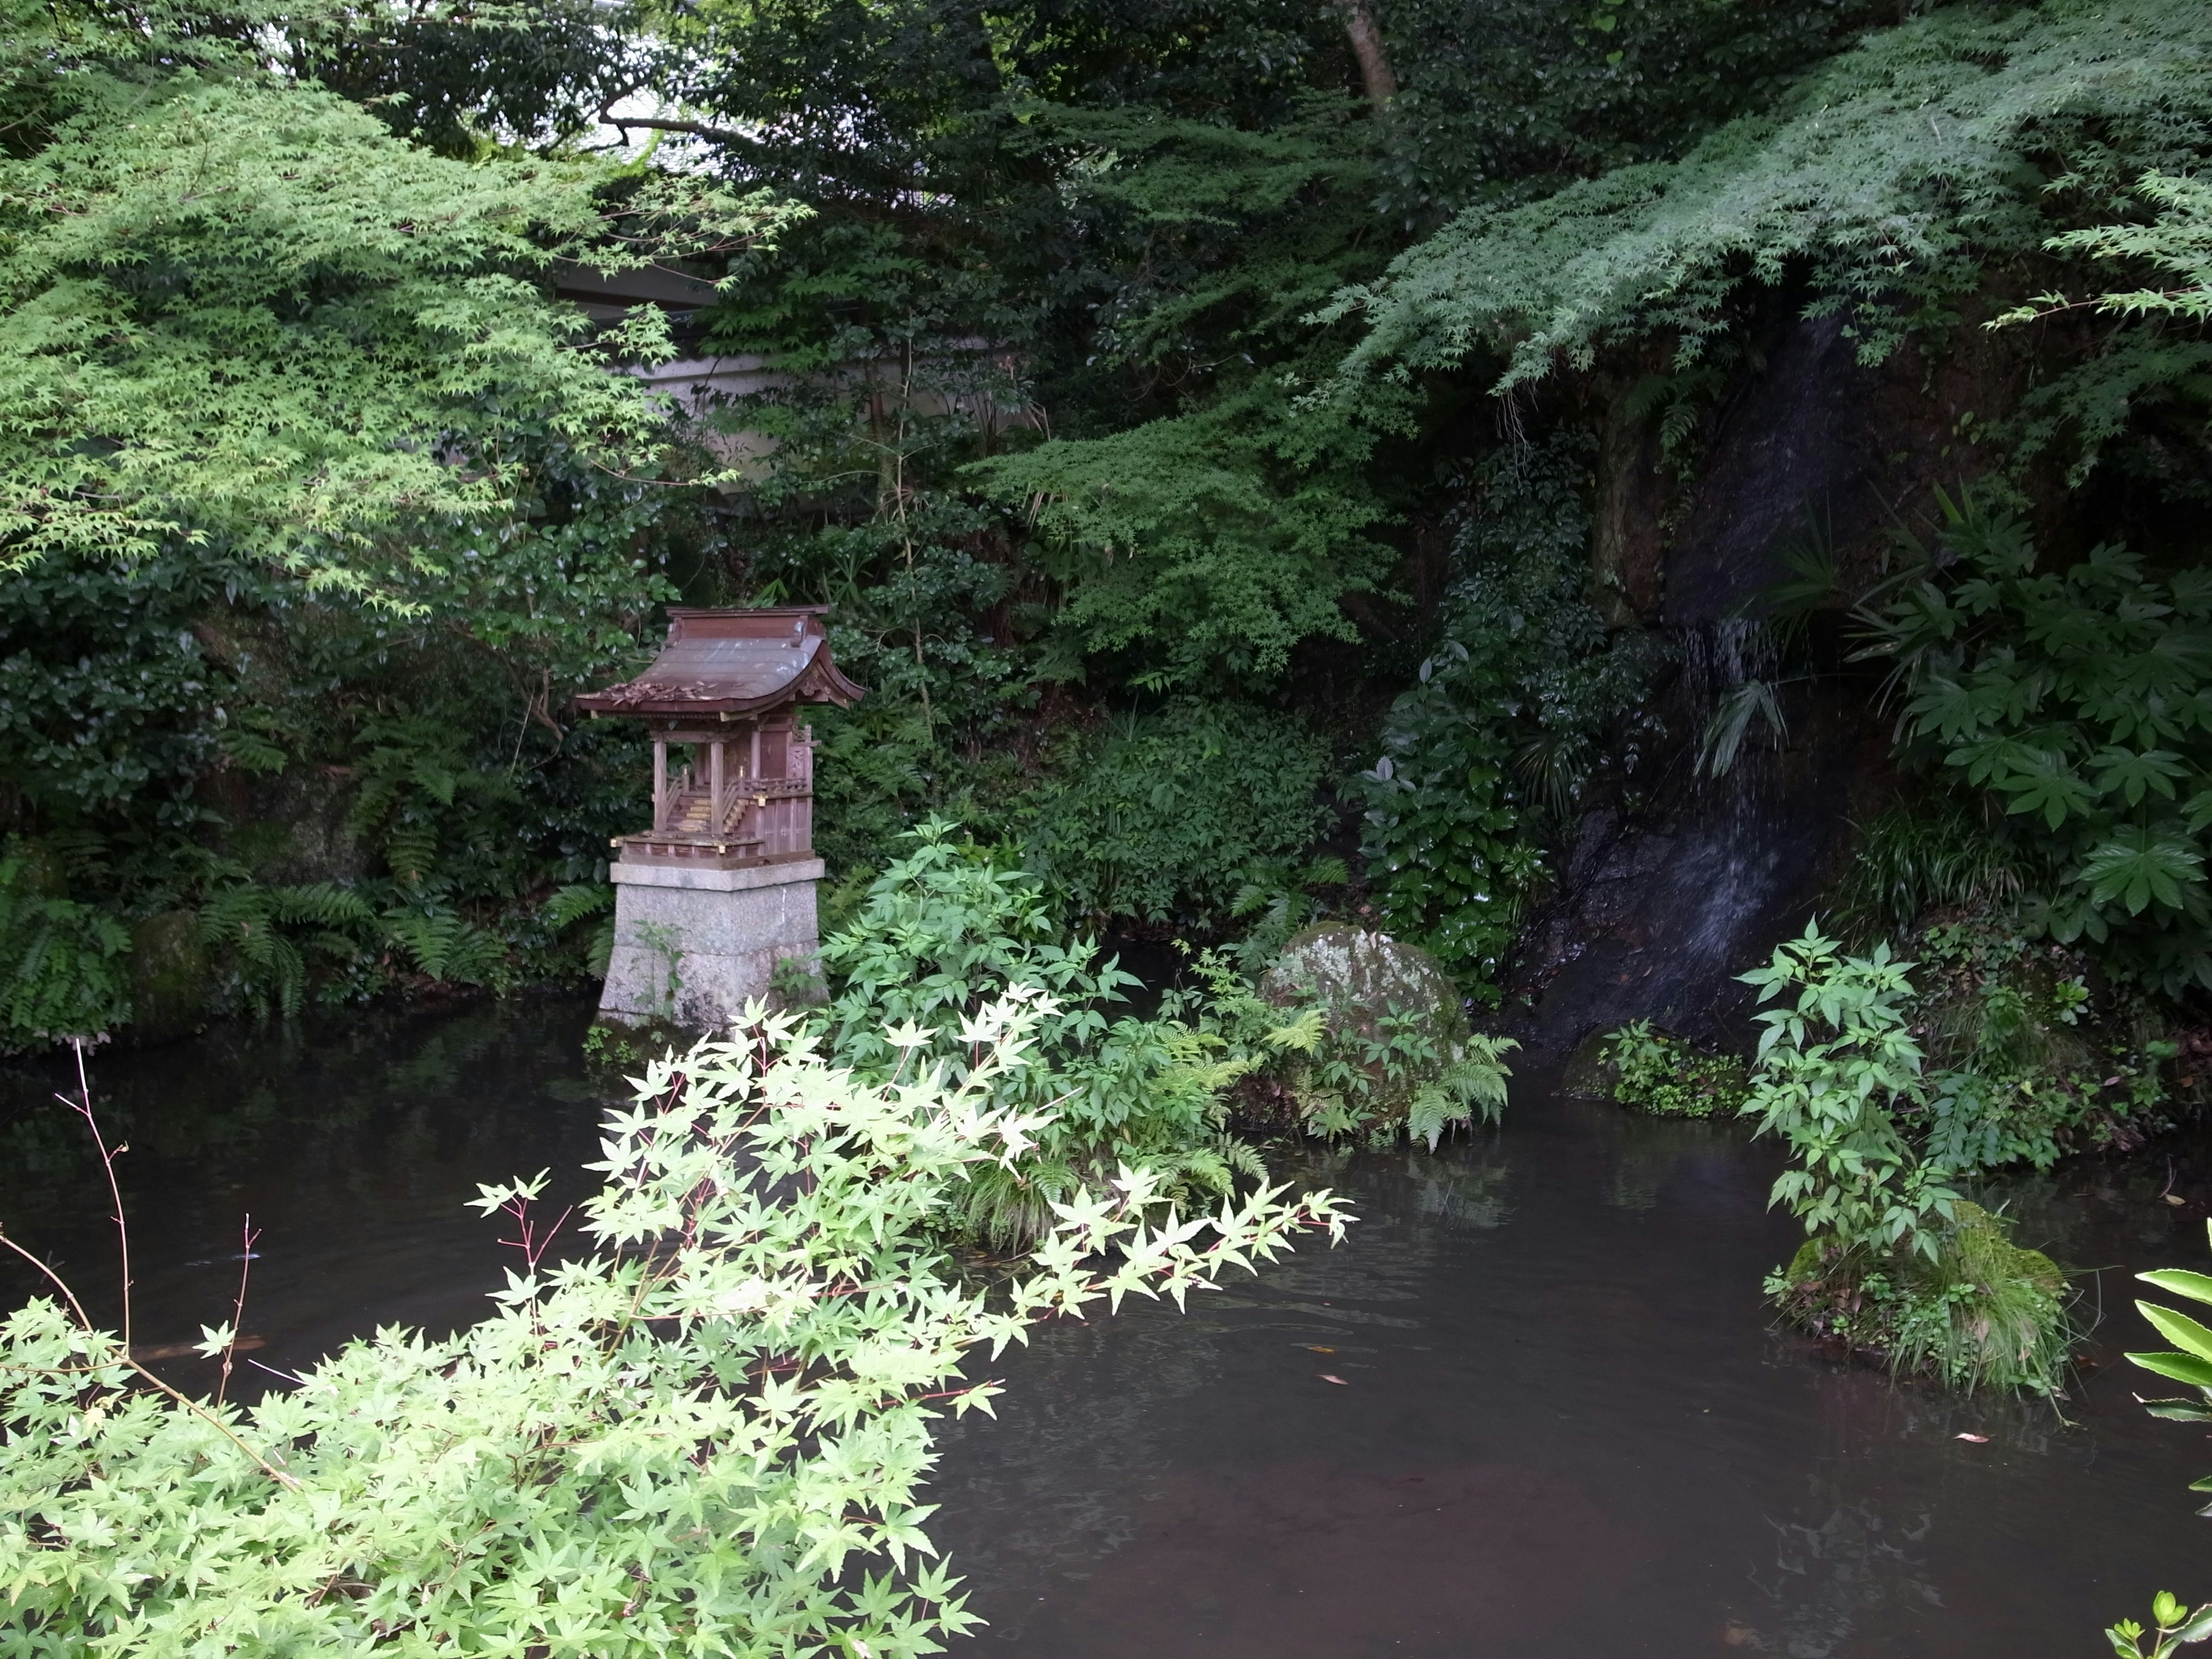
(1359, 977)
(694, 946)
(169, 977)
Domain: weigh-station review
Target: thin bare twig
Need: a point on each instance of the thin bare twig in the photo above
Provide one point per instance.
(237, 1309)
(83, 1105)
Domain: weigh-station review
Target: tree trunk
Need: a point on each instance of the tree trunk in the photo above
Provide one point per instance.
(1367, 46)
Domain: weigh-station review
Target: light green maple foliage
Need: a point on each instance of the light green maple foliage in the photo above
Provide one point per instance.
(706, 1436)
(1885, 181)
(239, 313)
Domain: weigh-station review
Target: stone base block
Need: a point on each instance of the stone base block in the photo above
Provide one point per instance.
(694, 946)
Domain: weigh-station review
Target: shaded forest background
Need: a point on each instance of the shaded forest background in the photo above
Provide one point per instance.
(1262, 458)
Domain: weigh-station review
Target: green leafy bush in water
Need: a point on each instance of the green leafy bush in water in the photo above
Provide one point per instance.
(1894, 1259)
(707, 1434)
(1658, 1072)
(2081, 700)
(953, 928)
(1162, 814)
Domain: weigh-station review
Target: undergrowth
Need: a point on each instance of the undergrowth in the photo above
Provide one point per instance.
(1657, 1072)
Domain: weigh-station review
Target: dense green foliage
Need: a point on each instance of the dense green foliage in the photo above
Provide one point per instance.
(61, 972)
(1169, 816)
(1882, 181)
(948, 929)
(1657, 1072)
(1491, 748)
(705, 1433)
(318, 505)
(1079, 357)
(2082, 699)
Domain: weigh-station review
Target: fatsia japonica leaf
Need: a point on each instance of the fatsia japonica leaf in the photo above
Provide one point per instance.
(2131, 773)
(2137, 867)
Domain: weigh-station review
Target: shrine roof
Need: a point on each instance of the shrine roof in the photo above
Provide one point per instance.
(733, 662)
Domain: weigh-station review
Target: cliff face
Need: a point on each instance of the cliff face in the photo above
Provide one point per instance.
(1679, 882)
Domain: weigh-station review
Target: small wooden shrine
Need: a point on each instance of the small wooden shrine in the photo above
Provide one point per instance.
(724, 695)
(720, 890)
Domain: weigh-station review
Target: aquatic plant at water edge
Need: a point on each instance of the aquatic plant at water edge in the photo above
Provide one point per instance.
(1832, 1065)
(1894, 1259)
(2175, 1625)
(1983, 1312)
(707, 1434)
(1657, 1072)
(2190, 1362)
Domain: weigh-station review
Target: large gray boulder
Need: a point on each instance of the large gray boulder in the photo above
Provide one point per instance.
(1359, 978)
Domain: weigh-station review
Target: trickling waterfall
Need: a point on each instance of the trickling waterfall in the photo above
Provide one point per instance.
(1670, 893)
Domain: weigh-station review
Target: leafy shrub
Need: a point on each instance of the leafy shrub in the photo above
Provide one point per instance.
(1163, 813)
(1833, 1064)
(63, 966)
(1658, 1072)
(953, 928)
(1894, 1259)
(694, 1438)
(1496, 741)
(2026, 1062)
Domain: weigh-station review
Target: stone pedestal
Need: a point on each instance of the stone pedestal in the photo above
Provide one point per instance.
(694, 945)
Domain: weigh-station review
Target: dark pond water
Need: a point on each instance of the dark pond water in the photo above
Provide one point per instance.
(1563, 1425)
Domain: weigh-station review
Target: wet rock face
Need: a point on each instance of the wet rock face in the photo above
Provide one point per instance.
(1359, 977)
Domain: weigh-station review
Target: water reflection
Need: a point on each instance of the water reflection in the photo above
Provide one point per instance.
(1562, 1418)
(352, 1141)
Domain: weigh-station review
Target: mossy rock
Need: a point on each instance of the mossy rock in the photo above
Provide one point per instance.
(170, 978)
(1587, 1074)
(1977, 1249)
(1358, 978)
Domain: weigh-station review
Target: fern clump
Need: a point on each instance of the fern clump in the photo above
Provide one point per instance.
(63, 966)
